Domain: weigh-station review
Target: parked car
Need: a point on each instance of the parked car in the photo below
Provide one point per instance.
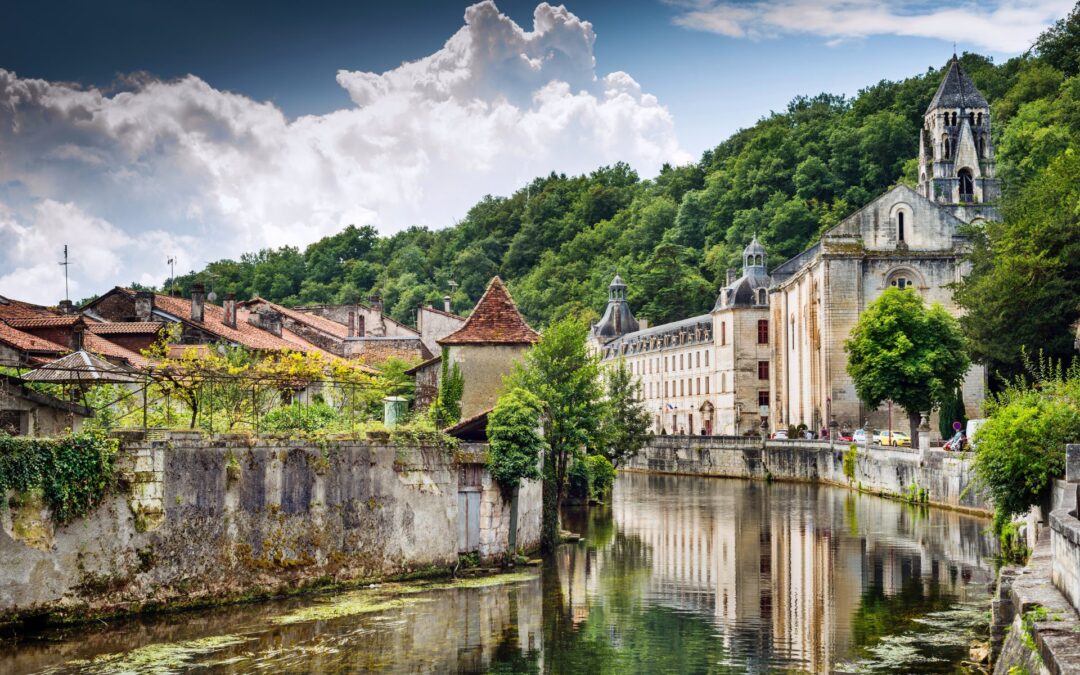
(845, 436)
(895, 438)
(972, 427)
(859, 436)
(780, 435)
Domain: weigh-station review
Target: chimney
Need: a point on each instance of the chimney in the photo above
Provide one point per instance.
(144, 305)
(198, 298)
(77, 335)
(376, 303)
(229, 305)
(67, 307)
(731, 276)
(352, 323)
(271, 321)
(446, 303)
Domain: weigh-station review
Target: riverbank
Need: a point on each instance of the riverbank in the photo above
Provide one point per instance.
(204, 520)
(935, 477)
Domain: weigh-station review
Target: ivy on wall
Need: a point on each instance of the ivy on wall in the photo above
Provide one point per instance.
(74, 473)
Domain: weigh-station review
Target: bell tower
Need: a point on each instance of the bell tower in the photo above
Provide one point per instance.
(956, 154)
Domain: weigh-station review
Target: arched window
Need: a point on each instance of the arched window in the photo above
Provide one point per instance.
(967, 186)
(900, 282)
(900, 226)
(954, 119)
(978, 120)
(945, 146)
(761, 296)
(982, 146)
(971, 118)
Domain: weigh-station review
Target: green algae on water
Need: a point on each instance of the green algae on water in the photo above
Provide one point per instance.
(155, 659)
(349, 604)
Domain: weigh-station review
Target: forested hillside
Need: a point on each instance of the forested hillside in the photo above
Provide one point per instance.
(558, 240)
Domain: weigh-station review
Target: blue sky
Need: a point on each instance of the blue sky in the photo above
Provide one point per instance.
(206, 129)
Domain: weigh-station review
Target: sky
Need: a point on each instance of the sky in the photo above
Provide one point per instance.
(134, 132)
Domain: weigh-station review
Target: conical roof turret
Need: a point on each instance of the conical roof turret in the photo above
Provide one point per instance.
(957, 90)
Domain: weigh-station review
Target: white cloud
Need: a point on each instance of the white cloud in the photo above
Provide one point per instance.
(999, 25)
(180, 167)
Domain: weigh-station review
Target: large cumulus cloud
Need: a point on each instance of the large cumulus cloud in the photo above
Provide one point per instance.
(183, 168)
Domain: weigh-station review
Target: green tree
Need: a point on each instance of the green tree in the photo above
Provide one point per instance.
(624, 427)
(562, 374)
(672, 285)
(515, 443)
(446, 409)
(902, 351)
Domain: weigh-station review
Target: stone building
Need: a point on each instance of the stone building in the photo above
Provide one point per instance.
(904, 238)
(486, 347)
(771, 352)
(705, 374)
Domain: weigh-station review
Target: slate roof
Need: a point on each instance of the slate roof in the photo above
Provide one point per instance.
(494, 320)
(957, 90)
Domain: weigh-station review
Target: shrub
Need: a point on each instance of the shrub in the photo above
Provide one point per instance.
(74, 473)
(601, 475)
(850, 457)
(300, 417)
(577, 478)
(1020, 449)
(515, 442)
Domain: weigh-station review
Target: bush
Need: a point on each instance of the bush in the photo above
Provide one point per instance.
(515, 443)
(601, 475)
(577, 478)
(1020, 449)
(74, 473)
(299, 417)
(850, 457)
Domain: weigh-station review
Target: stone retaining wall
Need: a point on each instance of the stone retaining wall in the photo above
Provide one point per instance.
(945, 478)
(201, 520)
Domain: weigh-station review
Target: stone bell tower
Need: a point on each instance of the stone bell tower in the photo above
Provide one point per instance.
(956, 154)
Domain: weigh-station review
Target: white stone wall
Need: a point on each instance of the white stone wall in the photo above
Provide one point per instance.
(434, 325)
(483, 368)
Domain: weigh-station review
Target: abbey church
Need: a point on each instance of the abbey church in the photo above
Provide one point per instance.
(771, 352)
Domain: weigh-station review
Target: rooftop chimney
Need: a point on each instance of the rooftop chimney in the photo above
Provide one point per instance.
(271, 321)
(144, 305)
(198, 298)
(67, 307)
(352, 323)
(731, 276)
(229, 305)
(376, 303)
(446, 303)
(77, 335)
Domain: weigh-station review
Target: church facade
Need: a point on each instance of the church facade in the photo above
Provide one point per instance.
(771, 352)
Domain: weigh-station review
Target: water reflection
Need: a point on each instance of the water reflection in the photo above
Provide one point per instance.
(678, 574)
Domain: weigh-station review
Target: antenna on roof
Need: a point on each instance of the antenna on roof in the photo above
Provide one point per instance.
(172, 270)
(65, 265)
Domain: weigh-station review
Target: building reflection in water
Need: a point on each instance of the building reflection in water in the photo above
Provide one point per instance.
(786, 573)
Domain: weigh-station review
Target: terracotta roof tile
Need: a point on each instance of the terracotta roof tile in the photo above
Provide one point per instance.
(315, 321)
(43, 321)
(213, 322)
(494, 320)
(124, 327)
(102, 347)
(27, 342)
(17, 309)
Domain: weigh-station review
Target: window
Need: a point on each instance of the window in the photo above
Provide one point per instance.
(792, 335)
(982, 146)
(946, 145)
(665, 390)
(723, 381)
(763, 397)
(763, 331)
(971, 118)
(707, 378)
(699, 359)
(967, 186)
(762, 370)
(762, 298)
(682, 388)
(900, 226)
(723, 333)
(706, 358)
(697, 384)
(978, 120)
(901, 283)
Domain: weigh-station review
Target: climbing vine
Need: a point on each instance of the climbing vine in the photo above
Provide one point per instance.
(74, 473)
(447, 407)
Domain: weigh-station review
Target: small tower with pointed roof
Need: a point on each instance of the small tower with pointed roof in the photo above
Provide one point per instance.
(956, 154)
(486, 347)
(618, 320)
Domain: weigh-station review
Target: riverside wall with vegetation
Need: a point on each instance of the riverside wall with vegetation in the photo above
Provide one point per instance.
(195, 519)
(936, 477)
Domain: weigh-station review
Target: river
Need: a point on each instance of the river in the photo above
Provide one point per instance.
(676, 575)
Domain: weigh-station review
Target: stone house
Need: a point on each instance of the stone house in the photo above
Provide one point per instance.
(486, 347)
(26, 412)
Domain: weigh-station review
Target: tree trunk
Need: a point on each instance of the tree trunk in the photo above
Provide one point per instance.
(914, 420)
(549, 527)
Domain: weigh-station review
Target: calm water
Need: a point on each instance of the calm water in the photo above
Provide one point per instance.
(678, 575)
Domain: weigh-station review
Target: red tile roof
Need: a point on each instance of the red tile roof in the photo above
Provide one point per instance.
(102, 347)
(16, 309)
(124, 327)
(494, 320)
(46, 321)
(315, 321)
(16, 338)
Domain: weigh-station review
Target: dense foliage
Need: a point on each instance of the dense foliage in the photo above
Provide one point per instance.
(564, 377)
(903, 351)
(446, 408)
(515, 443)
(74, 473)
(625, 425)
(1020, 448)
(307, 417)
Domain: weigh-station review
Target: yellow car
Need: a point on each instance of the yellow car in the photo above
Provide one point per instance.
(896, 438)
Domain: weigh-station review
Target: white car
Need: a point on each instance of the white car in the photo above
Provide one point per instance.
(780, 435)
(859, 437)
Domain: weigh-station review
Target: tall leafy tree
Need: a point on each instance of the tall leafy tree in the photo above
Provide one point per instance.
(903, 351)
(624, 427)
(564, 377)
